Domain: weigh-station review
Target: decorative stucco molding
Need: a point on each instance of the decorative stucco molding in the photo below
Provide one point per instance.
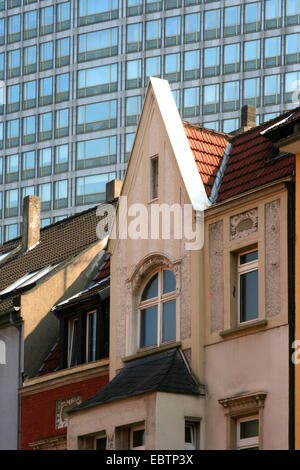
(62, 406)
(247, 403)
(242, 225)
(52, 443)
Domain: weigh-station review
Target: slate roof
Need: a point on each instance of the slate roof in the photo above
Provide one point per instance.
(208, 148)
(163, 372)
(51, 362)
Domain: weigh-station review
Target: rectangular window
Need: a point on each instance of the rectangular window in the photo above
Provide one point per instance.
(45, 91)
(211, 99)
(13, 3)
(153, 34)
(252, 17)
(133, 109)
(45, 126)
(2, 31)
(231, 96)
(29, 132)
(192, 27)
(252, 91)
(172, 67)
(272, 52)
(62, 87)
(272, 90)
(252, 55)
(230, 125)
(13, 98)
(152, 68)
(62, 52)
(191, 102)
(94, 11)
(29, 59)
(292, 84)
(97, 44)
(292, 48)
(91, 336)
(154, 178)
(232, 58)
(173, 4)
(12, 133)
(248, 286)
(97, 80)
(28, 165)
(61, 123)
(1, 138)
(61, 158)
(96, 152)
(137, 438)
(11, 203)
(190, 436)
(129, 139)
(2, 66)
(134, 37)
(14, 28)
(60, 194)
(172, 31)
(133, 74)
(12, 168)
(176, 96)
(30, 24)
(45, 162)
(153, 5)
(191, 65)
(46, 56)
(247, 433)
(11, 231)
(26, 191)
(63, 16)
(292, 12)
(73, 342)
(232, 21)
(134, 7)
(29, 95)
(46, 20)
(211, 64)
(92, 189)
(273, 14)
(96, 116)
(13, 63)
(212, 24)
(44, 193)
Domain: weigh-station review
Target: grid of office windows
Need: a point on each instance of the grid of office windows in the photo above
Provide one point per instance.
(73, 79)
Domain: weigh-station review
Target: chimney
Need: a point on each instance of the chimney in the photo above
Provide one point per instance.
(31, 222)
(248, 117)
(113, 189)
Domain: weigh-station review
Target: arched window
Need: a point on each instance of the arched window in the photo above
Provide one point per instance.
(157, 321)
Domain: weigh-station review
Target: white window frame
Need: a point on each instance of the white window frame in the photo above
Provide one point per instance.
(71, 329)
(250, 442)
(92, 312)
(158, 301)
(132, 430)
(244, 269)
(191, 445)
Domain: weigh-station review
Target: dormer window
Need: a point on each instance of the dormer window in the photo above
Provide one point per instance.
(158, 310)
(154, 178)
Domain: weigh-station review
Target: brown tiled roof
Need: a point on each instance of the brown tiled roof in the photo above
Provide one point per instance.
(208, 149)
(253, 163)
(60, 241)
(51, 363)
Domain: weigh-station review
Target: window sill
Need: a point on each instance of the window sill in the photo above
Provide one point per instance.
(150, 351)
(259, 324)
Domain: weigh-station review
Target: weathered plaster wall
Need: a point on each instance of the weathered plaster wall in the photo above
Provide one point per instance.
(272, 258)
(216, 276)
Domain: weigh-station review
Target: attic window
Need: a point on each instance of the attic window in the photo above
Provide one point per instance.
(29, 278)
(154, 178)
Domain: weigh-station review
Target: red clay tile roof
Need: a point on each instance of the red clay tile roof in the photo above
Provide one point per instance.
(208, 148)
(252, 162)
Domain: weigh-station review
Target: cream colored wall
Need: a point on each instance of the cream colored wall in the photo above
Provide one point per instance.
(152, 140)
(40, 324)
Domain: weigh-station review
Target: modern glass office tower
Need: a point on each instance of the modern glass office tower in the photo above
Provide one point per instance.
(75, 73)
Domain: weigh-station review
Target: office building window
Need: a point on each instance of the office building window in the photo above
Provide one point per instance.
(172, 67)
(13, 63)
(13, 98)
(191, 65)
(29, 95)
(14, 28)
(251, 55)
(45, 162)
(272, 52)
(292, 12)
(172, 4)
(153, 34)
(12, 133)
(2, 61)
(13, 3)
(62, 87)
(129, 139)
(96, 116)
(211, 64)
(30, 24)
(133, 74)
(134, 7)
(230, 125)
(94, 11)
(2, 31)
(61, 163)
(292, 85)
(97, 80)
(176, 96)
(44, 193)
(231, 96)
(152, 68)
(11, 203)
(232, 58)
(92, 189)
(45, 222)
(172, 31)
(273, 14)
(134, 37)
(45, 91)
(26, 191)
(253, 17)
(192, 27)
(12, 168)
(45, 126)
(62, 52)
(232, 21)
(97, 44)
(212, 24)
(187, 3)
(268, 116)
(191, 102)
(28, 165)
(96, 152)
(11, 232)
(46, 56)
(272, 90)
(292, 48)
(211, 99)
(252, 91)
(29, 132)
(63, 16)
(60, 194)
(153, 5)
(1, 170)
(61, 123)
(46, 20)
(248, 286)
(29, 59)
(2, 98)
(1, 135)
(133, 109)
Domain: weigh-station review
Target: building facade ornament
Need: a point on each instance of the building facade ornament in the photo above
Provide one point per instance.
(242, 225)
(62, 406)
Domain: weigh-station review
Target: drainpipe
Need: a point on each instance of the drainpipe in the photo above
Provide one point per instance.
(19, 326)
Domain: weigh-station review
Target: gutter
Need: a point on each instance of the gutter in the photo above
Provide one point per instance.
(217, 183)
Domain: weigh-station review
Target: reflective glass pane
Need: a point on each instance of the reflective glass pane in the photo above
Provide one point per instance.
(148, 327)
(169, 321)
(151, 290)
(169, 282)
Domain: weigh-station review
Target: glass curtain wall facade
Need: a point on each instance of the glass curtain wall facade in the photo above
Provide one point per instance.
(74, 74)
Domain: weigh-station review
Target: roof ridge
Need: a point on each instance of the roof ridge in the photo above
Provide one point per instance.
(207, 129)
